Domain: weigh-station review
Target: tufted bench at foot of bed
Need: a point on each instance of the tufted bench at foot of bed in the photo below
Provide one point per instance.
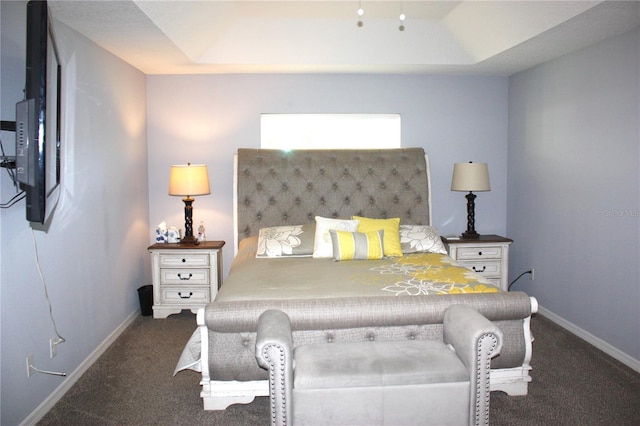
(381, 382)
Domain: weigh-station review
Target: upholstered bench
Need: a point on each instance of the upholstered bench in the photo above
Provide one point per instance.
(381, 382)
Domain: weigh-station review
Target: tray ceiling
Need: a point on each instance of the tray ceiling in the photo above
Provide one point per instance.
(465, 37)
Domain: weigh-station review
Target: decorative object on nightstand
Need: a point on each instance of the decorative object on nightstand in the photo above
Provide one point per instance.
(470, 177)
(185, 276)
(201, 235)
(488, 255)
(186, 181)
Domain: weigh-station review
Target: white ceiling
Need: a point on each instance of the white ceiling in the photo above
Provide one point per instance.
(240, 36)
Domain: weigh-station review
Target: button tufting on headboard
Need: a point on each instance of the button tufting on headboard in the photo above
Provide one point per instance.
(295, 186)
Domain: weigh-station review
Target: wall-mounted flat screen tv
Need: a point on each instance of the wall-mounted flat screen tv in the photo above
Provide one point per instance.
(38, 118)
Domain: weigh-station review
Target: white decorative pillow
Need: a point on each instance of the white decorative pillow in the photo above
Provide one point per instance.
(279, 241)
(420, 238)
(322, 246)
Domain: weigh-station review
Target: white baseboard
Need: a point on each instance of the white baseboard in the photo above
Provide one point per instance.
(72, 378)
(605, 347)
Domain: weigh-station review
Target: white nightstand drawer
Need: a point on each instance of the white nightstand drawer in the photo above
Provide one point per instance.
(187, 296)
(184, 276)
(185, 259)
(487, 268)
(484, 252)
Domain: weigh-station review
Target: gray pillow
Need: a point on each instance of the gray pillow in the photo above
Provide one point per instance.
(286, 241)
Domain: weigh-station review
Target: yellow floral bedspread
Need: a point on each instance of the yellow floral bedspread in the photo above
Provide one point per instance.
(429, 273)
(414, 274)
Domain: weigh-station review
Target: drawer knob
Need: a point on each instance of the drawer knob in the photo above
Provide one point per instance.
(186, 278)
(484, 268)
(186, 296)
(184, 260)
(479, 253)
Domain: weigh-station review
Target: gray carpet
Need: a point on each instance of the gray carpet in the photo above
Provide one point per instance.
(132, 384)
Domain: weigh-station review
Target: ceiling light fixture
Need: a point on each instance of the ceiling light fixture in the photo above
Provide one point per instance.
(402, 17)
(360, 13)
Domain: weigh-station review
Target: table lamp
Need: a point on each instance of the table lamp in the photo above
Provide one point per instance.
(186, 181)
(470, 177)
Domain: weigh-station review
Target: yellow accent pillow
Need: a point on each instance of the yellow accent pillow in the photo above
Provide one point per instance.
(391, 230)
(357, 245)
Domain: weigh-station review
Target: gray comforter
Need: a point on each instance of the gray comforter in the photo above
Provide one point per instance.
(416, 274)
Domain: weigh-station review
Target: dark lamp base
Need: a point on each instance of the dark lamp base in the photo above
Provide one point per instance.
(470, 235)
(189, 240)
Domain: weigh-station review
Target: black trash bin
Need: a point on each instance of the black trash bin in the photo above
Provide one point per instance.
(145, 294)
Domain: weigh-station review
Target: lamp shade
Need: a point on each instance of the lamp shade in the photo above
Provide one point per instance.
(188, 180)
(470, 177)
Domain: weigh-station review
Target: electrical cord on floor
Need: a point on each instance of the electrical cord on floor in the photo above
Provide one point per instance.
(519, 276)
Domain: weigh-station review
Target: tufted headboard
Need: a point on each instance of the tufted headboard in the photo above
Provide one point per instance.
(273, 187)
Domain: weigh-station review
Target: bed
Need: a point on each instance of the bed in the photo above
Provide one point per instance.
(386, 276)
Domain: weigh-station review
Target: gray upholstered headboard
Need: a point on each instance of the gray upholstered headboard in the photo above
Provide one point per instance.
(274, 187)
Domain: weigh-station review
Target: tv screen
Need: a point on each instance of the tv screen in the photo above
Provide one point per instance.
(38, 118)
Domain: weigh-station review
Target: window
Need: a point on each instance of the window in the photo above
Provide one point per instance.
(330, 131)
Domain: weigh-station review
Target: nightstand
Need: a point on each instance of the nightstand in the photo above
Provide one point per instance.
(185, 276)
(487, 255)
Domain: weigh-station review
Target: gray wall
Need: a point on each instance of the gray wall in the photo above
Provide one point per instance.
(207, 118)
(567, 215)
(573, 188)
(94, 255)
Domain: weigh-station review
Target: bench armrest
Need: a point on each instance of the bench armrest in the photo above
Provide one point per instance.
(274, 351)
(475, 340)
